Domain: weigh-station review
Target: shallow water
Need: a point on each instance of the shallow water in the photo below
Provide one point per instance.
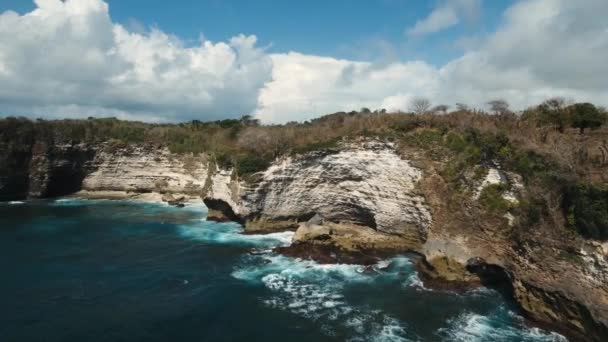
(82, 270)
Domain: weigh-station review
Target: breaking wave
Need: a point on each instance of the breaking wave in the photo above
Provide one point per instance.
(320, 293)
(316, 292)
(471, 327)
(231, 233)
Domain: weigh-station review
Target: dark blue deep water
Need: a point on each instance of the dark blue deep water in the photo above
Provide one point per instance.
(78, 270)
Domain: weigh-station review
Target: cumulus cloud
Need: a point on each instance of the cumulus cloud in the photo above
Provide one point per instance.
(68, 55)
(68, 59)
(544, 48)
(447, 14)
(304, 86)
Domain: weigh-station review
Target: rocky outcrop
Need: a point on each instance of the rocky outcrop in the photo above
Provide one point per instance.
(51, 170)
(365, 199)
(14, 172)
(145, 169)
(364, 184)
(57, 170)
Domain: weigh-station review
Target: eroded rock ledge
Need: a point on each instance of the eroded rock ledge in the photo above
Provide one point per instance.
(363, 201)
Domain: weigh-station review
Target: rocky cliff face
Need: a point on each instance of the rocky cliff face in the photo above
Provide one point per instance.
(57, 170)
(366, 198)
(14, 173)
(351, 204)
(145, 169)
(364, 184)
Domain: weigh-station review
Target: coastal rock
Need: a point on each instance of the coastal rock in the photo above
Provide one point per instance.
(353, 204)
(57, 170)
(365, 183)
(51, 170)
(146, 169)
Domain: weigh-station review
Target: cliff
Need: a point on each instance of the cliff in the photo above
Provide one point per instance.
(56, 170)
(144, 169)
(353, 203)
(365, 198)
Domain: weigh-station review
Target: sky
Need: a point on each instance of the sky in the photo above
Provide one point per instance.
(282, 61)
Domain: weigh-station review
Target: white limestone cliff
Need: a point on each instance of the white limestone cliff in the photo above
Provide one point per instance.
(146, 169)
(364, 183)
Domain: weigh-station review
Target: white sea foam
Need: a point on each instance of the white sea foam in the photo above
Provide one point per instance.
(414, 281)
(391, 330)
(299, 269)
(68, 202)
(481, 292)
(231, 233)
(16, 202)
(62, 201)
(471, 327)
(315, 291)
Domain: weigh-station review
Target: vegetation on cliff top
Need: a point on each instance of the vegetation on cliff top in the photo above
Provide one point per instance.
(560, 149)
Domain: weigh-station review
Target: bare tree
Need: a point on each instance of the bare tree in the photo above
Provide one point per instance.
(556, 103)
(499, 106)
(443, 109)
(249, 120)
(461, 107)
(255, 139)
(420, 105)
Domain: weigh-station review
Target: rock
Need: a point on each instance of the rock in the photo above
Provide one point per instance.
(363, 202)
(168, 198)
(316, 220)
(146, 169)
(365, 183)
(174, 200)
(496, 177)
(63, 169)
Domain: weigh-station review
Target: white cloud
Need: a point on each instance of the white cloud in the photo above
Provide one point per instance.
(545, 48)
(447, 14)
(439, 19)
(71, 55)
(68, 59)
(304, 86)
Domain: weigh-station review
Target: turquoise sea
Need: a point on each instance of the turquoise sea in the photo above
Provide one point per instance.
(84, 270)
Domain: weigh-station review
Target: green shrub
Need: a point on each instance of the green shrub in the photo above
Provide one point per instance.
(586, 115)
(531, 211)
(456, 142)
(249, 164)
(223, 160)
(330, 145)
(492, 199)
(586, 208)
(428, 138)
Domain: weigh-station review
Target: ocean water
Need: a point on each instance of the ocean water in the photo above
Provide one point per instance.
(83, 270)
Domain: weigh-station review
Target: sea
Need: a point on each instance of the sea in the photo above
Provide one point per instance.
(102, 270)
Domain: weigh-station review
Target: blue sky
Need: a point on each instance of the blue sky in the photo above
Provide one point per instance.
(294, 60)
(358, 30)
